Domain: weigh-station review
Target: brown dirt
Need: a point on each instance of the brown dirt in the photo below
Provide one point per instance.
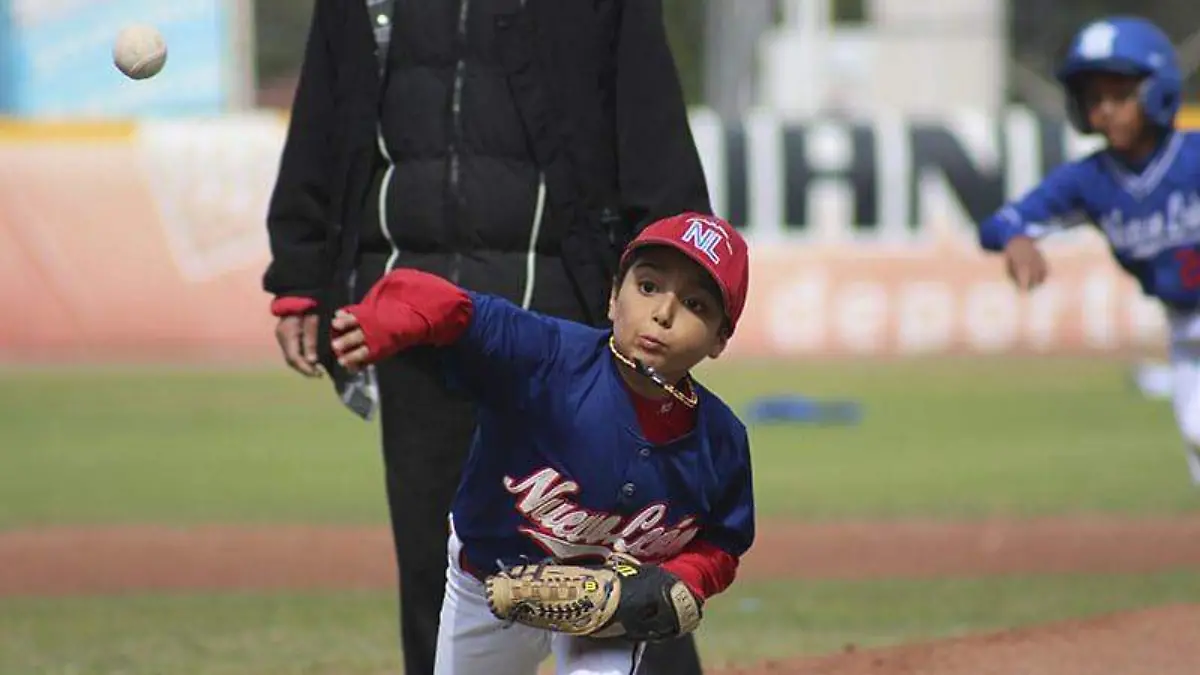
(146, 558)
(1158, 641)
(69, 561)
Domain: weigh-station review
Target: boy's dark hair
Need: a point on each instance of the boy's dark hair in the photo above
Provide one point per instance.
(707, 283)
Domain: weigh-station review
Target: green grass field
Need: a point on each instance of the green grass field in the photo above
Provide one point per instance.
(940, 439)
(354, 632)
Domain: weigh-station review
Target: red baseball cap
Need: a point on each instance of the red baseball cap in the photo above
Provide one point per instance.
(714, 244)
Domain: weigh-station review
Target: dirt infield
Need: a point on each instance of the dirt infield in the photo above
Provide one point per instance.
(126, 559)
(146, 558)
(1159, 641)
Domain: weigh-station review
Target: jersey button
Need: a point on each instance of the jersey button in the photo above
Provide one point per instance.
(644, 452)
(628, 489)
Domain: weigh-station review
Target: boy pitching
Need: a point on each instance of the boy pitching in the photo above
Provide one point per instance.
(1142, 189)
(589, 443)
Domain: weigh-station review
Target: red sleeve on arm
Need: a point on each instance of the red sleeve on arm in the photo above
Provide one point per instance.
(705, 568)
(408, 308)
(292, 306)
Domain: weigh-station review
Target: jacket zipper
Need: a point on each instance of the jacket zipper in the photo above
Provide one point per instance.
(383, 194)
(460, 70)
(535, 231)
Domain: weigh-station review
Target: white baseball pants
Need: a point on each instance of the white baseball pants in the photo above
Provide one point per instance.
(1185, 367)
(472, 641)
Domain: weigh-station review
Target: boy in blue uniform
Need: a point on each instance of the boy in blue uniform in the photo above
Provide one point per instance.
(1142, 190)
(589, 442)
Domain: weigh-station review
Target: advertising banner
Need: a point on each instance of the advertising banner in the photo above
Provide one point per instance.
(147, 240)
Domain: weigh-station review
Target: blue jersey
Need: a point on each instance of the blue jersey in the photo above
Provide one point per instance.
(1151, 218)
(558, 465)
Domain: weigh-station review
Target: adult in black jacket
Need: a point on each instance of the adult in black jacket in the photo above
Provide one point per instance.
(511, 146)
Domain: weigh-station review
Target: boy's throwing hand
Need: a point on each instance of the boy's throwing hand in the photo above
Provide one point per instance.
(403, 309)
(1026, 265)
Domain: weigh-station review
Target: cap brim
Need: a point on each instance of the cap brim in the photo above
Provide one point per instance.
(1116, 66)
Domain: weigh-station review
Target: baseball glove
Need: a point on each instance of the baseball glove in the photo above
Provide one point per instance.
(620, 598)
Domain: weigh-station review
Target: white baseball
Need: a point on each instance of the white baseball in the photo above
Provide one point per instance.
(140, 51)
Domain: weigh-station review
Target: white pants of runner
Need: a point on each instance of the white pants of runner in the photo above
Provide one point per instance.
(471, 641)
(1185, 368)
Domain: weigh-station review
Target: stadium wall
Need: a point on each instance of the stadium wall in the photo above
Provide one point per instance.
(145, 240)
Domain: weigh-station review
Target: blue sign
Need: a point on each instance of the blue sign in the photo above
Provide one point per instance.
(57, 58)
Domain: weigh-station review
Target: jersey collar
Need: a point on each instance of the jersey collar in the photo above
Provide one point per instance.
(627, 415)
(1141, 184)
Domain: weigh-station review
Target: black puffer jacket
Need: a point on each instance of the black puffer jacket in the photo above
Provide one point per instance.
(464, 195)
(516, 143)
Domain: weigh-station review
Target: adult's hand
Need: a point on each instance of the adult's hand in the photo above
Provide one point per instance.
(297, 338)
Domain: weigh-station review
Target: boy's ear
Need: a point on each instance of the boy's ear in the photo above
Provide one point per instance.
(612, 302)
(719, 347)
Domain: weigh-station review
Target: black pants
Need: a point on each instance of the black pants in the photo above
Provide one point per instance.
(426, 434)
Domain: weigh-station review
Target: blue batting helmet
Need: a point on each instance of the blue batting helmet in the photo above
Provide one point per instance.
(1127, 46)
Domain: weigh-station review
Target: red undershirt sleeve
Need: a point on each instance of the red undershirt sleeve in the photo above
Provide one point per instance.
(706, 568)
(407, 308)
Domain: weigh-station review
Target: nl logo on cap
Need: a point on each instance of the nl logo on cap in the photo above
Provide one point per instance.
(706, 236)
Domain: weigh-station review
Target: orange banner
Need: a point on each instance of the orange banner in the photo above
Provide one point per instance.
(937, 297)
(148, 243)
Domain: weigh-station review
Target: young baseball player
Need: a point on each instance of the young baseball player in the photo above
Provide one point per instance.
(589, 442)
(1142, 189)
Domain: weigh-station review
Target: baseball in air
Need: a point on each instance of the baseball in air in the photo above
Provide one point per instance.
(140, 51)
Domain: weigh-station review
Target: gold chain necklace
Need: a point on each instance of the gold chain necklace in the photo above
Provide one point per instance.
(690, 399)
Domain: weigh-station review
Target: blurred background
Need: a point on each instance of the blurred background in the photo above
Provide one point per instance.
(172, 498)
(845, 131)
(782, 54)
